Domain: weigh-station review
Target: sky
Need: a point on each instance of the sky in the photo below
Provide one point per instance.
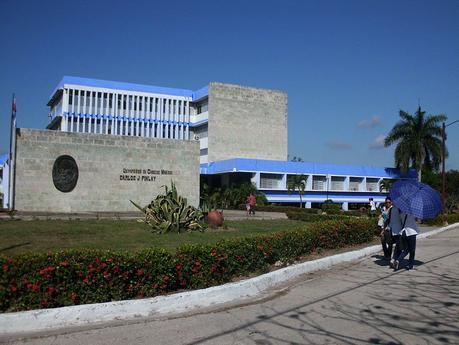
(348, 67)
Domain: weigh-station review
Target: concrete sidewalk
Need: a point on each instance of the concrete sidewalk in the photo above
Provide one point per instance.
(355, 303)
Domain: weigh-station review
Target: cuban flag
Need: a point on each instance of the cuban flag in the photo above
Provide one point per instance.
(13, 112)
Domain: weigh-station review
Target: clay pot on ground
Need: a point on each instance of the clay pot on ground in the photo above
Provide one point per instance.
(215, 218)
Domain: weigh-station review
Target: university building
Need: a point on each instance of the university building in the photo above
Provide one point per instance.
(242, 133)
(222, 132)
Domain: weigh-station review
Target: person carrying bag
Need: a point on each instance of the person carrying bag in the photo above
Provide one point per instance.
(386, 234)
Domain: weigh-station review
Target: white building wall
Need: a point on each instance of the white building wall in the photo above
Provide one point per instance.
(107, 111)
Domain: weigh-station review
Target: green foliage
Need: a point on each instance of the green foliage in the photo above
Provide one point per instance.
(386, 185)
(418, 140)
(310, 217)
(230, 197)
(300, 214)
(95, 276)
(452, 183)
(331, 208)
(297, 182)
(277, 208)
(169, 212)
(443, 219)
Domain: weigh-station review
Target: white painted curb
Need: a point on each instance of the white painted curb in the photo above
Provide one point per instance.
(83, 315)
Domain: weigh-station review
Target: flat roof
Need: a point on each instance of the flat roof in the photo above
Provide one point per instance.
(272, 166)
(117, 85)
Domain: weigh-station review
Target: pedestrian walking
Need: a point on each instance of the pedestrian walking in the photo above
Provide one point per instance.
(386, 235)
(250, 204)
(408, 235)
(395, 226)
(372, 207)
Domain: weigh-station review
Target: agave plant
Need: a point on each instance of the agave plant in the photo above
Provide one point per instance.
(169, 212)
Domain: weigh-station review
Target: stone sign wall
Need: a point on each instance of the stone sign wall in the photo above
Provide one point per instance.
(75, 172)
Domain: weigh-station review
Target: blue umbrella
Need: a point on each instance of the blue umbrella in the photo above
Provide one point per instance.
(416, 198)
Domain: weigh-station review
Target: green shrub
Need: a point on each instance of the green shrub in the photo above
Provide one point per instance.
(170, 212)
(331, 208)
(276, 208)
(94, 276)
(442, 219)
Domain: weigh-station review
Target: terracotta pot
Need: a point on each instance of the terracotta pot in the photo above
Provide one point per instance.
(215, 218)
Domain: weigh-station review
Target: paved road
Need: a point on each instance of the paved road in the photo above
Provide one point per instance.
(359, 303)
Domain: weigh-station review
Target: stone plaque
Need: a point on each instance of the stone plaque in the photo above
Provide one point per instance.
(65, 173)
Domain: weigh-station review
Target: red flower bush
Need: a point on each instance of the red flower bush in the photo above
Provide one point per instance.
(35, 281)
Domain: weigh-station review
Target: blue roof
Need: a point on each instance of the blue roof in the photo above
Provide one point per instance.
(107, 84)
(261, 165)
(3, 158)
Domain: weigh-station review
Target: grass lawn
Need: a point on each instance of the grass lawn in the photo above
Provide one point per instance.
(18, 237)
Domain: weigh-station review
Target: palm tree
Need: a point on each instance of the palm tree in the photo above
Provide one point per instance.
(418, 141)
(297, 182)
(385, 185)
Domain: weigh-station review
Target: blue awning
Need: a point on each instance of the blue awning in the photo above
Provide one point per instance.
(285, 167)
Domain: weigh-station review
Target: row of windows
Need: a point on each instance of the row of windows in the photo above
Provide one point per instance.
(93, 102)
(149, 130)
(336, 183)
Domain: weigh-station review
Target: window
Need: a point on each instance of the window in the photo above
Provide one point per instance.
(202, 107)
(372, 184)
(318, 182)
(270, 181)
(354, 183)
(337, 183)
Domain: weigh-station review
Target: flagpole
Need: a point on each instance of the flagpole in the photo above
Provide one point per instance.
(11, 157)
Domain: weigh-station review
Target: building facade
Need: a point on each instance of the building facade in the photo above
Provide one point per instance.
(238, 115)
(242, 134)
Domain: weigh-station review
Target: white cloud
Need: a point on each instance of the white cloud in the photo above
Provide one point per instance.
(378, 142)
(375, 121)
(339, 145)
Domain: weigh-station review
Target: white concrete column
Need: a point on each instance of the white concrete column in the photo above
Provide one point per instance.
(166, 119)
(70, 118)
(255, 179)
(345, 206)
(65, 109)
(90, 112)
(161, 117)
(187, 120)
(307, 204)
(126, 115)
(137, 115)
(83, 121)
(81, 94)
(309, 183)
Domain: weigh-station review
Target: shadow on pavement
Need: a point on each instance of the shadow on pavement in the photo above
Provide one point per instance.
(404, 307)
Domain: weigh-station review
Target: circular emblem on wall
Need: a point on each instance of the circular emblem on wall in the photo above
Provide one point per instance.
(65, 173)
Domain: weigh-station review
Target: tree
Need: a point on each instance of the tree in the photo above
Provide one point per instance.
(418, 140)
(386, 185)
(295, 182)
(297, 159)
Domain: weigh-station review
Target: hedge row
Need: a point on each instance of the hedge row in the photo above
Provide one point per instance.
(274, 208)
(285, 209)
(308, 217)
(93, 276)
(443, 219)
